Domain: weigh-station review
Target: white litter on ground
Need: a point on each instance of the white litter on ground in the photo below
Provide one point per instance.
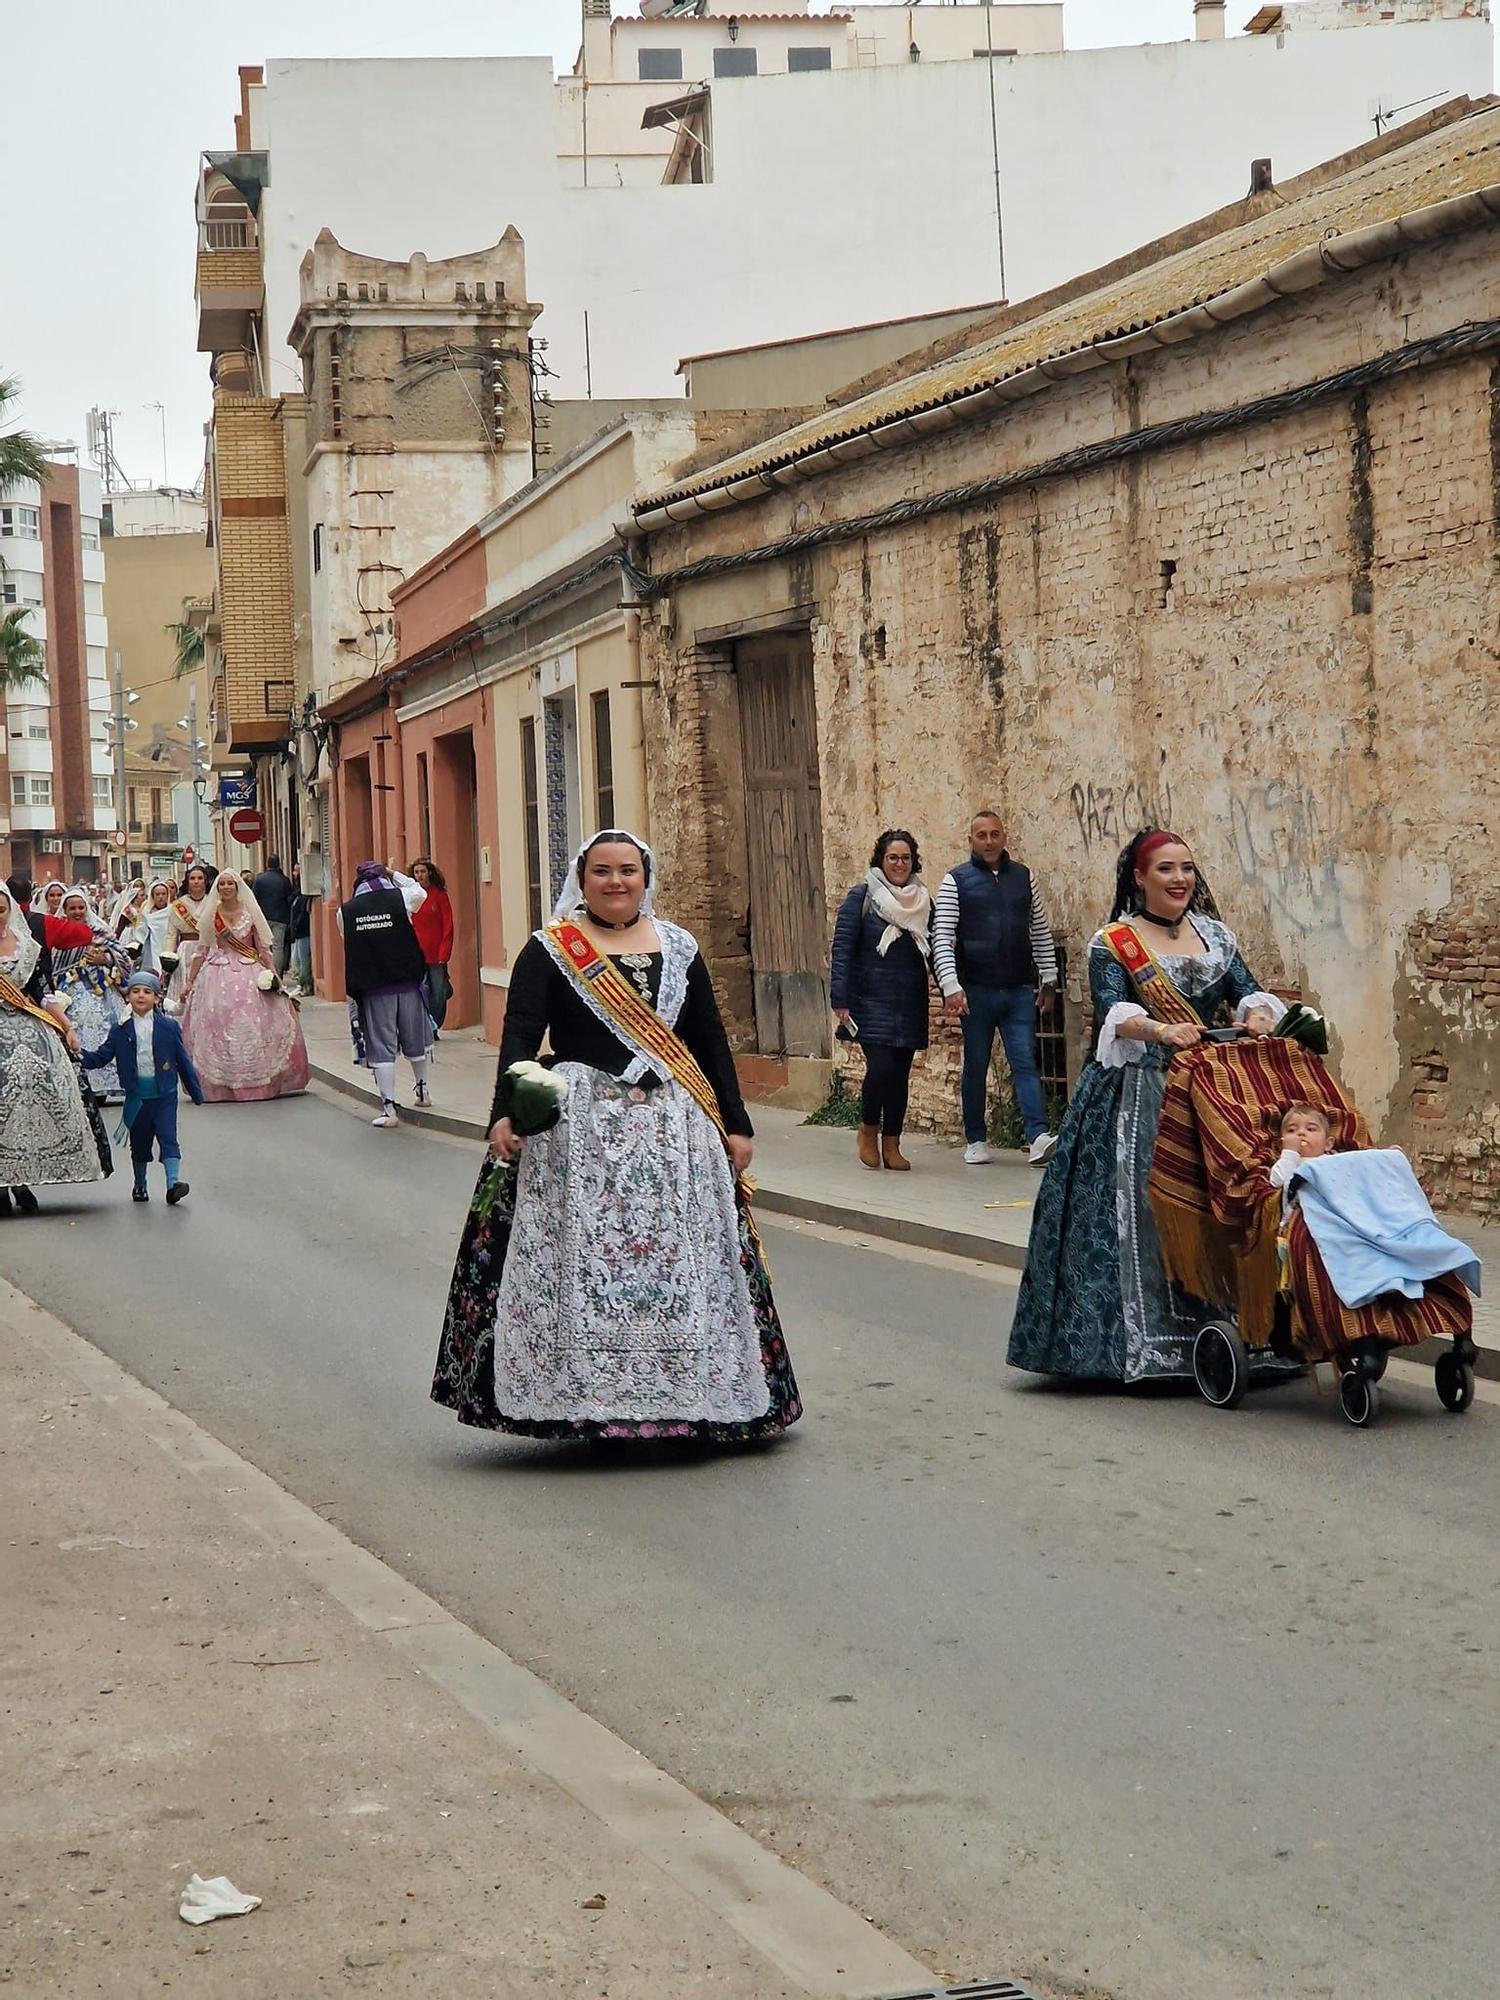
(202, 1900)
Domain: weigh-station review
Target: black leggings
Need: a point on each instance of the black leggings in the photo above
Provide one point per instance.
(882, 1100)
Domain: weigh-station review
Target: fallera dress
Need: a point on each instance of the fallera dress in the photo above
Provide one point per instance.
(1094, 1300)
(610, 1284)
(50, 1130)
(96, 1000)
(246, 1045)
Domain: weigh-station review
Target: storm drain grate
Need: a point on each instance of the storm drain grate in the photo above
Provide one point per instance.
(979, 1989)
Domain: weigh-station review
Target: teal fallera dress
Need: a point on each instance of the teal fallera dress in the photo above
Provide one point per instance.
(1094, 1300)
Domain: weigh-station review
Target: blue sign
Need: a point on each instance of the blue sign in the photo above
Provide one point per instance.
(237, 792)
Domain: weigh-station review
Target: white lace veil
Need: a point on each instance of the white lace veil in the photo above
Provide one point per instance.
(19, 950)
(212, 904)
(570, 902)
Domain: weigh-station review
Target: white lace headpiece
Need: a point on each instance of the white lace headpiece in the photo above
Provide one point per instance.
(570, 902)
(213, 901)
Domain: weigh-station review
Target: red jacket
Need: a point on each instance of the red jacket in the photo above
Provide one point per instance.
(433, 925)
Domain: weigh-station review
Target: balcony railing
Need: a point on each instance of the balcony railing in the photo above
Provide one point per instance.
(163, 833)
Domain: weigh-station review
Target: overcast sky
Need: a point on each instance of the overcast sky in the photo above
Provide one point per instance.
(108, 106)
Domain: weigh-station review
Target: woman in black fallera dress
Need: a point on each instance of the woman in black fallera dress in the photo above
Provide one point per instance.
(609, 1281)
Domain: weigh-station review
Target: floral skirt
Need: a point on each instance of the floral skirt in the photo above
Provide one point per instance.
(95, 1009)
(611, 1283)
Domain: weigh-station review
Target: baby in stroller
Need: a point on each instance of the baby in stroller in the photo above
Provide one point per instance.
(1365, 1265)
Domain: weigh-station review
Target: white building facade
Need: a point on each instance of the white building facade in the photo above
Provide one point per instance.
(826, 196)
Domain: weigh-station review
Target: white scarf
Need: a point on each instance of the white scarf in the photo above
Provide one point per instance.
(907, 909)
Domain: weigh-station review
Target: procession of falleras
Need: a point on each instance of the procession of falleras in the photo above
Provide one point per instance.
(1212, 1210)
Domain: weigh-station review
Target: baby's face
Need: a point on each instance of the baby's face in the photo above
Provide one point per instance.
(1305, 1133)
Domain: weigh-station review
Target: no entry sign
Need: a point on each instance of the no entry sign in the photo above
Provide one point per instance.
(246, 826)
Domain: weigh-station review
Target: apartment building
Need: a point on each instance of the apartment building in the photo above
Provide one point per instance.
(58, 818)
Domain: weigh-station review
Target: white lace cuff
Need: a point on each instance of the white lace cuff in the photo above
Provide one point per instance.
(1274, 1007)
(1113, 1052)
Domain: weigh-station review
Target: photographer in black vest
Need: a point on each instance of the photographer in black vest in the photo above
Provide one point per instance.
(990, 942)
(383, 970)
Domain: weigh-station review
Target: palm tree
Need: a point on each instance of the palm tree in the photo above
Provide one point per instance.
(188, 641)
(20, 454)
(23, 657)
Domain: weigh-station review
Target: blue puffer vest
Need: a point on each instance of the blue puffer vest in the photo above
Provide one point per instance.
(994, 924)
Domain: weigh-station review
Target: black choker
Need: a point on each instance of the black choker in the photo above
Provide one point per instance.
(604, 924)
(1172, 924)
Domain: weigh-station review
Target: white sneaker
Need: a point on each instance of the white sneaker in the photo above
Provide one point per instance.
(977, 1155)
(1040, 1151)
(387, 1121)
(424, 1094)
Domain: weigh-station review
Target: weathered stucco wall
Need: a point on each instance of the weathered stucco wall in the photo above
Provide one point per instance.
(1282, 640)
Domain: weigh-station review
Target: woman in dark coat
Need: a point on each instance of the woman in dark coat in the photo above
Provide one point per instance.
(879, 988)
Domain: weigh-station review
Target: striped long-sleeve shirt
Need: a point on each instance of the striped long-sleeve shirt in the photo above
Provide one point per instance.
(945, 938)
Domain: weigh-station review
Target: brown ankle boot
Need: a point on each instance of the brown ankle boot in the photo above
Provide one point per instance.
(869, 1147)
(894, 1158)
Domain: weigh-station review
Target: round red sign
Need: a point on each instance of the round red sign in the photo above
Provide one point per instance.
(246, 826)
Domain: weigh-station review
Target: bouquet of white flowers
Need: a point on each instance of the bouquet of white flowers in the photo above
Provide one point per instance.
(269, 982)
(170, 960)
(537, 1096)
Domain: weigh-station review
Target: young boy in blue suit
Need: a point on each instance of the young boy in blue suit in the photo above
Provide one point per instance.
(150, 1054)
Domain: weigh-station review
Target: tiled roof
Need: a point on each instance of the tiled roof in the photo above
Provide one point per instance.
(1460, 158)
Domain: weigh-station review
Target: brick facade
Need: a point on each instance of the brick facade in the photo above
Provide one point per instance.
(1280, 638)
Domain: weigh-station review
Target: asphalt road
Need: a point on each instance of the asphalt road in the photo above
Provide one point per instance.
(1114, 1695)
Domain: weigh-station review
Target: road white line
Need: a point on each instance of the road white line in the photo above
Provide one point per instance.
(813, 1939)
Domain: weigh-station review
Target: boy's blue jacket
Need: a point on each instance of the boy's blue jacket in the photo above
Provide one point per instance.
(169, 1049)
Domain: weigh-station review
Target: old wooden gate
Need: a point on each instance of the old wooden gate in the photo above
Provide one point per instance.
(784, 826)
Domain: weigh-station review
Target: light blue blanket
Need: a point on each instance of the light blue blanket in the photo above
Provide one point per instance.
(1375, 1228)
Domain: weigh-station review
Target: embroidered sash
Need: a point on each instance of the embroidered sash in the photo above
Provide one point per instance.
(12, 995)
(640, 1025)
(1153, 988)
(246, 947)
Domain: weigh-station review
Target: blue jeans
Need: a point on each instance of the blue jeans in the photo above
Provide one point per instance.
(1011, 1009)
(302, 970)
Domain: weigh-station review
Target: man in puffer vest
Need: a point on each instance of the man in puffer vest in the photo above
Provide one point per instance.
(991, 943)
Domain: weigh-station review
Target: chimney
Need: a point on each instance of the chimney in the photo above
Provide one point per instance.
(596, 60)
(1208, 20)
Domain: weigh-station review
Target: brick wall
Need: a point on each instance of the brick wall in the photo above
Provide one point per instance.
(255, 565)
(1282, 640)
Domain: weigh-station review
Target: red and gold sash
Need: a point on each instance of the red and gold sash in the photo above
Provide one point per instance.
(246, 947)
(12, 995)
(641, 1023)
(185, 918)
(1153, 988)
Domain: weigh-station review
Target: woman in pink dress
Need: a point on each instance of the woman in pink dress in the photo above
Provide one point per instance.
(245, 1040)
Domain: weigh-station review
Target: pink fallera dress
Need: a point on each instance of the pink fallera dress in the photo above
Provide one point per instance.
(247, 1045)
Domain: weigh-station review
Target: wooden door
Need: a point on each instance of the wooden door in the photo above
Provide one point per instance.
(784, 829)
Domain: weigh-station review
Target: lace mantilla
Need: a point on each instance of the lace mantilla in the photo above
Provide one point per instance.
(678, 950)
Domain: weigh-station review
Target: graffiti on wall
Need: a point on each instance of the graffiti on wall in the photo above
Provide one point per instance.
(1108, 814)
(1309, 849)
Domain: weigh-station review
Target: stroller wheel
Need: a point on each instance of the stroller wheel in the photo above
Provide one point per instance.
(1359, 1398)
(1454, 1380)
(1221, 1367)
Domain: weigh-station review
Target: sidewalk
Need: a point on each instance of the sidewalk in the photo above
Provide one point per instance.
(801, 1170)
(810, 1171)
(187, 1690)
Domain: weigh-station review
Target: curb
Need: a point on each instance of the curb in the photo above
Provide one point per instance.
(411, 1114)
(892, 1228)
(772, 1201)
